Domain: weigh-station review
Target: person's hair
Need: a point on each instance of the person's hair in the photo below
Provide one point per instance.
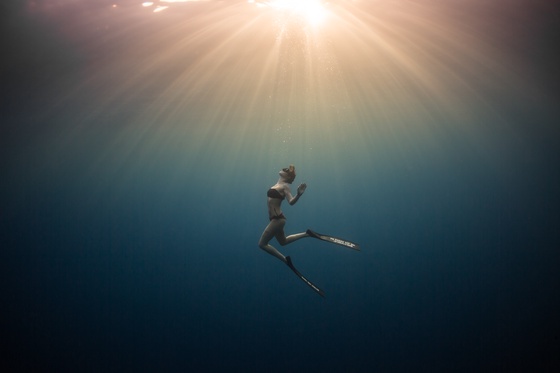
(291, 170)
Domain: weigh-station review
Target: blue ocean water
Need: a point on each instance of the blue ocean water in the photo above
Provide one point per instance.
(137, 152)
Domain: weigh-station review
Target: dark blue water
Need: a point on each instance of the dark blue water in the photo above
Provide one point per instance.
(134, 179)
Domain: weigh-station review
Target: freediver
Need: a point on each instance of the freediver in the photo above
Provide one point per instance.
(275, 228)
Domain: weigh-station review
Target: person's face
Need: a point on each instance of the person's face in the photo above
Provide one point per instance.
(287, 175)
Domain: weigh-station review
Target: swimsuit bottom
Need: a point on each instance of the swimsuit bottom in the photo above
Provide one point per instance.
(278, 217)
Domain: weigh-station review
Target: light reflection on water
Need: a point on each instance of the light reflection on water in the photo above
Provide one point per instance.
(264, 77)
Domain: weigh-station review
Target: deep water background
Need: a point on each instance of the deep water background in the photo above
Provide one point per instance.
(133, 185)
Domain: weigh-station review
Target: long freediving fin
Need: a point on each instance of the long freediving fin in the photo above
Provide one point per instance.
(311, 285)
(335, 240)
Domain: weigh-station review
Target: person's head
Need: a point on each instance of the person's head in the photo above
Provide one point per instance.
(288, 174)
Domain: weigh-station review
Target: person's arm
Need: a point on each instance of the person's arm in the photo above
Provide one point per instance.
(291, 199)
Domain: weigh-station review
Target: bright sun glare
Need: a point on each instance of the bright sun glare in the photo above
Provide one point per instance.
(312, 10)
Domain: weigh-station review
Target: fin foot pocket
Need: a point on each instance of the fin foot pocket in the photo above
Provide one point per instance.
(310, 233)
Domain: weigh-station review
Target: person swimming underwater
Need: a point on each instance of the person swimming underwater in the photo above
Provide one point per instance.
(275, 228)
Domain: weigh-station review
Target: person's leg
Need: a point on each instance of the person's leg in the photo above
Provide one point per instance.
(273, 228)
(283, 240)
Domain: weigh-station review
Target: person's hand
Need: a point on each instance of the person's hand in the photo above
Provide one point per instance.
(301, 188)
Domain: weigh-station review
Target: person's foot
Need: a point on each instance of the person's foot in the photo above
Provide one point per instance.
(289, 261)
(310, 233)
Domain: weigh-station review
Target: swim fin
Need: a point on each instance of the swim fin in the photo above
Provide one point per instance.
(311, 285)
(338, 241)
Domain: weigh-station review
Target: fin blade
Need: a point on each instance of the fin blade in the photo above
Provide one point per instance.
(335, 240)
(309, 283)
